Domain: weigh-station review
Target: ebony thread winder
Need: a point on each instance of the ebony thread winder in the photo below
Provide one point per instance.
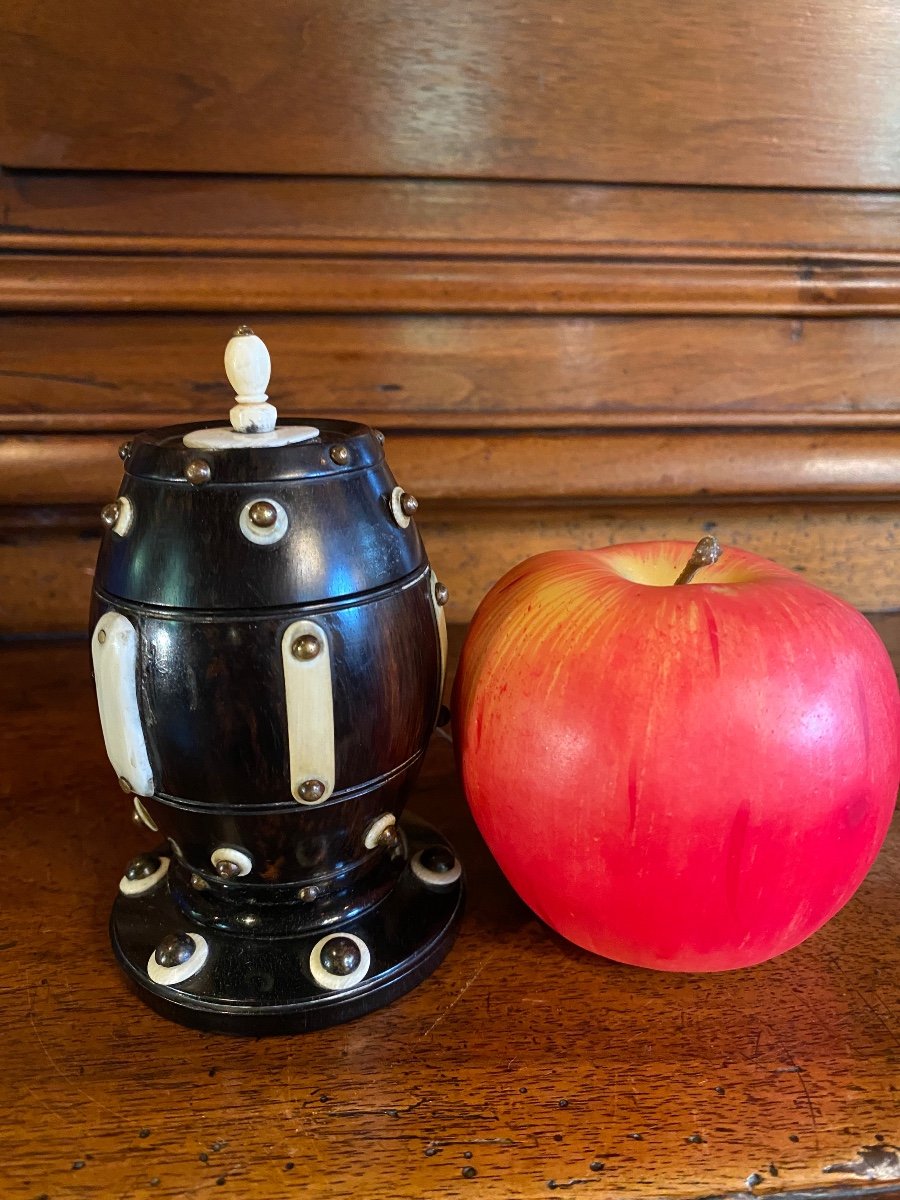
(268, 645)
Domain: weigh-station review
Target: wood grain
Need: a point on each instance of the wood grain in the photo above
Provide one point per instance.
(47, 556)
(107, 373)
(717, 93)
(130, 213)
(399, 284)
(523, 1058)
(66, 469)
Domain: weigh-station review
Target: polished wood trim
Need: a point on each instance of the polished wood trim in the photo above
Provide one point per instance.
(47, 555)
(722, 93)
(141, 213)
(64, 372)
(398, 284)
(60, 469)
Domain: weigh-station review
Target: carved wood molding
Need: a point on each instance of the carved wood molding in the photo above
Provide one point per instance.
(450, 466)
(110, 283)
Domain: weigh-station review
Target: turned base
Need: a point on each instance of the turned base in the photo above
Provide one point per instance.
(248, 983)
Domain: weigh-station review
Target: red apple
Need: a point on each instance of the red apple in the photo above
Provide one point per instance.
(691, 777)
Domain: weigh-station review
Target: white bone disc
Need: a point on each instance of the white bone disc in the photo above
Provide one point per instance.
(438, 879)
(377, 828)
(339, 983)
(169, 976)
(136, 887)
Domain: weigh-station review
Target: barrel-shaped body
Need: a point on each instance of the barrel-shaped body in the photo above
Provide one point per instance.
(268, 648)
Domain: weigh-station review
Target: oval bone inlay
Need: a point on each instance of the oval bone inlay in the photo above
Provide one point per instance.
(310, 711)
(441, 626)
(114, 654)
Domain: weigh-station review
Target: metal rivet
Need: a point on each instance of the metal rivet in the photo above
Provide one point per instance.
(389, 837)
(438, 859)
(309, 894)
(379, 435)
(136, 818)
(197, 471)
(198, 883)
(306, 647)
(227, 868)
(101, 636)
(340, 956)
(142, 866)
(109, 513)
(263, 514)
(340, 455)
(311, 790)
(124, 784)
(243, 331)
(125, 451)
(174, 950)
(409, 504)
(441, 594)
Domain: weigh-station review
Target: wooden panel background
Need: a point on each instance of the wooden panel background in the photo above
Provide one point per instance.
(719, 91)
(601, 272)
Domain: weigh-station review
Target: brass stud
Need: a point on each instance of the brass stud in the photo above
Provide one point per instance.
(198, 883)
(243, 331)
(408, 504)
(101, 636)
(109, 513)
(307, 646)
(379, 435)
(311, 790)
(125, 451)
(441, 594)
(227, 868)
(389, 837)
(340, 455)
(124, 784)
(142, 867)
(262, 514)
(137, 819)
(174, 950)
(197, 472)
(309, 894)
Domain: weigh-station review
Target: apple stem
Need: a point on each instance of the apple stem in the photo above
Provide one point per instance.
(705, 553)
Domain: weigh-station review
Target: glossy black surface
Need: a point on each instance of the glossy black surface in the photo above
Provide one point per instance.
(291, 845)
(212, 696)
(185, 548)
(257, 985)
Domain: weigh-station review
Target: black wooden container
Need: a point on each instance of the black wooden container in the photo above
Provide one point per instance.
(269, 646)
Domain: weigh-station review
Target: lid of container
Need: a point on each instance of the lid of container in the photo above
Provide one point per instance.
(253, 447)
(256, 514)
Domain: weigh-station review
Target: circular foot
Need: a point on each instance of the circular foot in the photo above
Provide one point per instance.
(255, 985)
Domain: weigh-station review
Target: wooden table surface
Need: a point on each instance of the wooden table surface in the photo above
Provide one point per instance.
(521, 1067)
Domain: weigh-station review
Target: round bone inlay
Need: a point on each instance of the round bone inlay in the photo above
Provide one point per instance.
(237, 862)
(431, 865)
(176, 951)
(377, 828)
(263, 535)
(137, 879)
(331, 965)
